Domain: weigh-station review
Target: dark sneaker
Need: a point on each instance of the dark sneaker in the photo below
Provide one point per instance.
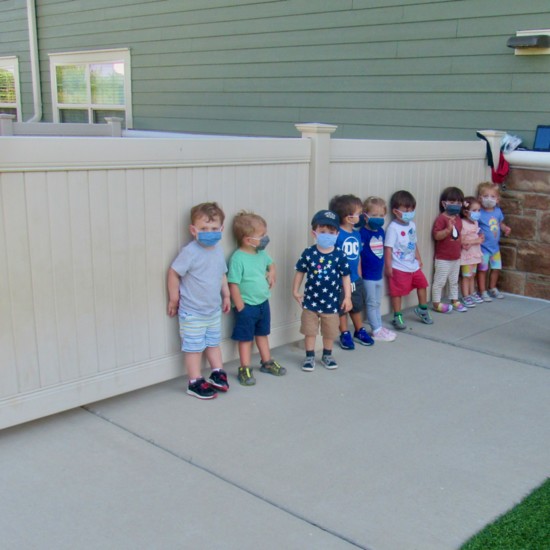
(346, 341)
(272, 367)
(398, 322)
(245, 376)
(363, 337)
(201, 389)
(329, 362)
(309, 364)
(423, 315)
(218, 380)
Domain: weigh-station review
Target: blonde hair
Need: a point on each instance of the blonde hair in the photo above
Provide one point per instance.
(375, 201)
(209, 210)
(245, 224)
(486, 185)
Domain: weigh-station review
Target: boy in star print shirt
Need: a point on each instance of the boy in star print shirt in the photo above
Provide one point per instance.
(327, 271)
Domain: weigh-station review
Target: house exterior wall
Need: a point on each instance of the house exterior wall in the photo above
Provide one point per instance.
(414, 69)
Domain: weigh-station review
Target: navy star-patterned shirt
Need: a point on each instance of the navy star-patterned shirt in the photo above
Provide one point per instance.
(324, 274)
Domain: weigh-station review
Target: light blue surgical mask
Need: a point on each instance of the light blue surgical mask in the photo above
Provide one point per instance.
(407, 216)
(376, 223)
(475, 216)
(326, 240)
(208, 238)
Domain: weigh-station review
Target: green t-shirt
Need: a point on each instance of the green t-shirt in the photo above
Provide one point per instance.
(249, 272)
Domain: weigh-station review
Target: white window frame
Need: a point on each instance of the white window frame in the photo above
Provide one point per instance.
(121, 55)
(12, 63)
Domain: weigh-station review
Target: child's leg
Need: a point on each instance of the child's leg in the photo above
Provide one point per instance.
(193, 364)
(493, 278)
(466, 281)
(372, 301)
(356, 319)
(344, 323)
(245, 352)
(482, 271)
(262, 342)
(309, 343)
(396, 304)
(422, 296)
(454, 272)
(214, 357)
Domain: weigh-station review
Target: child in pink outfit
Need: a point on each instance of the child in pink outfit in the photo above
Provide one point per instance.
(471, 255)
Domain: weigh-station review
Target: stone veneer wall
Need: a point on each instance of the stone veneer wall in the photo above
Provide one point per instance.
(526, 253)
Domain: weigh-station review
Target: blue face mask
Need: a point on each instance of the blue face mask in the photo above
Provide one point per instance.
(361, 223)
(407, 216)
(475, 216)
(326, 240)
(376, 223)
(452, 209)
(208, 238)
(263, 242)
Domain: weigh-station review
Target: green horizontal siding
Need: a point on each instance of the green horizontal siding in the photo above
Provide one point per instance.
(413, 69)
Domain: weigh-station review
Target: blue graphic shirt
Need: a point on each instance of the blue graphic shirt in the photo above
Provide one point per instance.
(324, 274)
(350, 245)
(489, 223)
(372, 253)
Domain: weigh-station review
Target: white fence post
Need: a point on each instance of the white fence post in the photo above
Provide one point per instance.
(319, 134)
(6, 124)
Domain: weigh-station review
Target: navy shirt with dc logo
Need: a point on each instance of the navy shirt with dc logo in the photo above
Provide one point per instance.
(324, 274)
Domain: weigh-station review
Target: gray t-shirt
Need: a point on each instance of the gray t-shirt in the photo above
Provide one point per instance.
(201, 271)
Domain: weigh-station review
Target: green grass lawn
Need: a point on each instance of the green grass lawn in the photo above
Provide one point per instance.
(524, 527)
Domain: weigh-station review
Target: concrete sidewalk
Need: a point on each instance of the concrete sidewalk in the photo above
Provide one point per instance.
(415, 444)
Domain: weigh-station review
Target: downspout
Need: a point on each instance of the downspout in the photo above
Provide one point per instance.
(35, 67)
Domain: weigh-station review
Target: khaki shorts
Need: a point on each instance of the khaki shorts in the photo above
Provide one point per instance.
(330, 324)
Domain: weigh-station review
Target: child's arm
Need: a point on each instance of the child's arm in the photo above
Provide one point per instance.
(440, 234)
(346, 303)
(417, 256)
(173, 283)
(296, 283)
(388, 261)
(226, 299)
(505, 229)
(271, 275)
(236, 297)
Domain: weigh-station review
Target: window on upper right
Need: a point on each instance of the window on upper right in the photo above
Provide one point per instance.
(10, 96)
(90, 86)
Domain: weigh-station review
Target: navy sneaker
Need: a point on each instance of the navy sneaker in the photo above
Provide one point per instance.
(346, 341)
(218, 380)
(363, 337)
(201, 389)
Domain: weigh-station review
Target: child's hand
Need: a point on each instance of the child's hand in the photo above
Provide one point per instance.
(388, 272)
(346, 305)
(226, 304)
(173, 307)
(506, 230)
(271, 278)
(299, 298)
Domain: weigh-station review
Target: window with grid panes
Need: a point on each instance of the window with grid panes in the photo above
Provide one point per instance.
(9, 87)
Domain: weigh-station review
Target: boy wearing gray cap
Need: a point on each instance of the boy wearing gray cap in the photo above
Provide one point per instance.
(326, 270)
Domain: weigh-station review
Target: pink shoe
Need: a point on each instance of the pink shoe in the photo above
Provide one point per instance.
(443, 308)
(384, 335)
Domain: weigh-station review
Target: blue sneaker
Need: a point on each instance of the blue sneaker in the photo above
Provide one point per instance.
(346, 341)
(363, 337)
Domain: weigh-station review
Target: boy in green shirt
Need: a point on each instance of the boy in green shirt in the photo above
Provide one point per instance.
(251, 276)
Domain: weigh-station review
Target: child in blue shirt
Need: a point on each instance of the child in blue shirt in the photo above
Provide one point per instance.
(491, 224)
(349, 209)
(372, 265)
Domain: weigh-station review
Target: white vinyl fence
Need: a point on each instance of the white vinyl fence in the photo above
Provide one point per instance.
(89, 226)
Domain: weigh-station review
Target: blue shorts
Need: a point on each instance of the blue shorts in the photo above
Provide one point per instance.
(200, 332)
(252, 321)
(494, 261)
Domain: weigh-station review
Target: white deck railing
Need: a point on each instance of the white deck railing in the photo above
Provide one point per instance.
(89, 226)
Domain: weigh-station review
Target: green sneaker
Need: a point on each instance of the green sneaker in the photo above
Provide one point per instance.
(423, 315)
(272, 367)
(245, 376)
(398, 322)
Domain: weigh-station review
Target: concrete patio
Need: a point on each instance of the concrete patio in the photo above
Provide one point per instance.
(415, 444)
